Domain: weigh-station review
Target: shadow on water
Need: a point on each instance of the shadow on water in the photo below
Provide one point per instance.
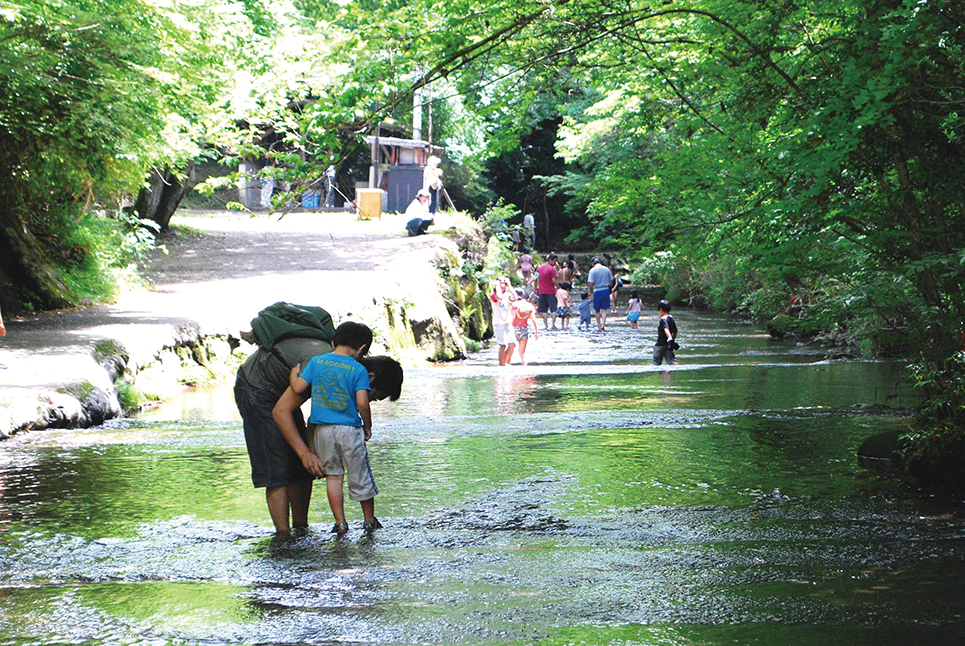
(588, 498)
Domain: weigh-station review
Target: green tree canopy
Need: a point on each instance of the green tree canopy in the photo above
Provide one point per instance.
(804, 158)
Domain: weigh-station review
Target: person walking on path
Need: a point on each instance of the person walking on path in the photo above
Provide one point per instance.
(666, 334)
(260, 381)
(432, 183)
(523, 314)
(599, 280)
(330, 187)
(546, 286)
(502, 301)
(529, 231)
(340, 422)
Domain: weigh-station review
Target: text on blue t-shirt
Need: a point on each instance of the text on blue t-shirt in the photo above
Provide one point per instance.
(334, 379)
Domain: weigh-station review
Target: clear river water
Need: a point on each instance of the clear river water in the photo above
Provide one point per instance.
(589, 498)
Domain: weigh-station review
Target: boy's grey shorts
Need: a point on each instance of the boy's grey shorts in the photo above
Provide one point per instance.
(343, 452)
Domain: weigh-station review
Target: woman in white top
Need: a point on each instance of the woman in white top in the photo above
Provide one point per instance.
(432, 182)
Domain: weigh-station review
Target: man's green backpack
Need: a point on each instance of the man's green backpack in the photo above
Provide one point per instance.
(285, 320)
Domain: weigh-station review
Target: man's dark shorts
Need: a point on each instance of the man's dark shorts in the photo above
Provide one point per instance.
(274, 462)
(601, 299)
(547, 304)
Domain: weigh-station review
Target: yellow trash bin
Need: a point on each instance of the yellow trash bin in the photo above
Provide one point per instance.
(369, 201)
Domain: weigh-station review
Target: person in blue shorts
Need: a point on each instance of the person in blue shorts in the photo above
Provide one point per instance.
(600, 280)
(634, 307)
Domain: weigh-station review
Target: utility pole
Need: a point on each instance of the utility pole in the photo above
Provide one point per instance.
(417, 115)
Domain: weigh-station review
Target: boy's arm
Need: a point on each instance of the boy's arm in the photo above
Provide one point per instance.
(365, 412)
(283, 414)
(666, 330)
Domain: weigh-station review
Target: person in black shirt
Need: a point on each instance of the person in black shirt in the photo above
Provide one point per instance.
(666, 333)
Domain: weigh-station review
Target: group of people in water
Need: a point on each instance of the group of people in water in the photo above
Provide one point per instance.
(547, 292)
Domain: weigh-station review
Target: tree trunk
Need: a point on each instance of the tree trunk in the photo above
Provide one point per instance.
(26, 275)
(160, 199)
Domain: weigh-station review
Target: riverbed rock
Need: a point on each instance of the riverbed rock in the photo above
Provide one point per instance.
(881, 446)
(439, 340)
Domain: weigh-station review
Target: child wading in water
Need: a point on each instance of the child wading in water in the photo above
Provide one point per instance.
(634, 307)
(341, 420)
(523, 314)
(586, 306)
(563, 304)
(666, 333)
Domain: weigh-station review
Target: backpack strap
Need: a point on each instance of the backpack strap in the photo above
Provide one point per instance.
(275, 353)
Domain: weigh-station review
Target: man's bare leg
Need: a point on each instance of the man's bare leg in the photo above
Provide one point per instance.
(277, 498)
(299, 496)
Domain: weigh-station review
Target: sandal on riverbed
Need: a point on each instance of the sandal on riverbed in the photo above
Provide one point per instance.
(340, 528)
(370, 526)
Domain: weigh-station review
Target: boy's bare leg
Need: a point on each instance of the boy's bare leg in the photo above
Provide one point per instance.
(277, 498)
(368, 509)
(336, 498)
(299, 496)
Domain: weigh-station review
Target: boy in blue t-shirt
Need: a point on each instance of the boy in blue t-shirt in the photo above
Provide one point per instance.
(339, 425)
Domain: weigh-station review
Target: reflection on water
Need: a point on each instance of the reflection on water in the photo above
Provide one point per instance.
(587, 498)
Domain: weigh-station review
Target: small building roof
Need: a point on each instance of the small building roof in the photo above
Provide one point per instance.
(402, 143)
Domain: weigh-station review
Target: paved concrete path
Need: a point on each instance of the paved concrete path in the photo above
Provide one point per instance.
(217, 281)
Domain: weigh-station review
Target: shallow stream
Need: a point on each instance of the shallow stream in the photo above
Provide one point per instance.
(587, 498)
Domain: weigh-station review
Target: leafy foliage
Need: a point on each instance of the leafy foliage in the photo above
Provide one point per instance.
(91, 94)
(801, 161)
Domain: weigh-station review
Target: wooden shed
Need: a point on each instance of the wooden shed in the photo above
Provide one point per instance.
(396, 168)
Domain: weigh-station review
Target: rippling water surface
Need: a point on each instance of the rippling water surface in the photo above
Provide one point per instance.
(587, 498)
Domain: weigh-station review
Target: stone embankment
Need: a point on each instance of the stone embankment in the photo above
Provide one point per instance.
(212, 275)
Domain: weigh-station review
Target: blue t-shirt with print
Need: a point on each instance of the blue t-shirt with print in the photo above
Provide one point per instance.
(335, 379)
